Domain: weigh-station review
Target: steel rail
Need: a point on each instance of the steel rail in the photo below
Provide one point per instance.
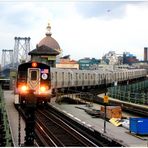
(60, 131)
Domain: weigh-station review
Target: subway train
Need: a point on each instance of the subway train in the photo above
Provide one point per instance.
(33, 78)
(61, 78)
(44, 81)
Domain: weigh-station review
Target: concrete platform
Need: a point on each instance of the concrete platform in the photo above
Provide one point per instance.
(119, 133)
(13, 118)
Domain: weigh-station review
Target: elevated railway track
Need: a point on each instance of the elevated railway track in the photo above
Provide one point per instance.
(94, 130)
(141, 110)
(53, 128)
(96, 96)
(59, 133)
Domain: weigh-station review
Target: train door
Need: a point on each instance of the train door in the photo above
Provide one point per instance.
(91, 79)
(69, 79)
(94, 78)
(82, 79)
(88, 78)
(62, 79)
(99, 78)
(72, 79)
(66, 79)
(33, 80)
(56, 79)
(76, 79)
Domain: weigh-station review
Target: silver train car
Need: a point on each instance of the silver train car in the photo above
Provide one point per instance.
(61, 78)
(43, 81)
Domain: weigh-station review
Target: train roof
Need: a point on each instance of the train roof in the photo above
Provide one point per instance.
(96, 71)
(30, 62)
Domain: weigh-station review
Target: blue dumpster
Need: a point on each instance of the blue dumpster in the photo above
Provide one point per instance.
(139, 126)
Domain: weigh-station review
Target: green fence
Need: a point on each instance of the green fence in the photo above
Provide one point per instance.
(135, 93)
(6, 139)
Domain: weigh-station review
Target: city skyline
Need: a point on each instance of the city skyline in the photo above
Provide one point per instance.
(82, 28)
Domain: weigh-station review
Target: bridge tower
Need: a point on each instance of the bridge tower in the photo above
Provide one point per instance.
(7, 58)
(21, 50)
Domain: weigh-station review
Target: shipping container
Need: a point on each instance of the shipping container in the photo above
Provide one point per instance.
(112, 111)
(139, 126)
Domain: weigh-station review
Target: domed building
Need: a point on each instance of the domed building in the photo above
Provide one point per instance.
(46, 50)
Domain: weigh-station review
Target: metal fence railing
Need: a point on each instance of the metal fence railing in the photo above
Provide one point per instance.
(6, 138)
(135, 93)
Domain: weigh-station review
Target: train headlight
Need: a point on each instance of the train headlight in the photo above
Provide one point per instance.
(43, 89)
(24, 88)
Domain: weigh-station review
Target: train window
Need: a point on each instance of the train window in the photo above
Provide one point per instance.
(33, 75)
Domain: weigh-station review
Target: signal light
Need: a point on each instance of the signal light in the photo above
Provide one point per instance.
(34, 64)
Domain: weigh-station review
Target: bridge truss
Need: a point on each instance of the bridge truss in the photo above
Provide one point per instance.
(12, 58)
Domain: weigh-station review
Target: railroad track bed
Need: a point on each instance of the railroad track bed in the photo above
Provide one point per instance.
(84, 129)
(53, 128)
(61, 134)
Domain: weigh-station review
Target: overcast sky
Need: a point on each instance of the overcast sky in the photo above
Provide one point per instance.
(82, 28)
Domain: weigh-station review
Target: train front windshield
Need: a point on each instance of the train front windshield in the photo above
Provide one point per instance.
(33, 75)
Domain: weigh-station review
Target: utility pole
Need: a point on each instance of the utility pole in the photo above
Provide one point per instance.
(105, 100)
